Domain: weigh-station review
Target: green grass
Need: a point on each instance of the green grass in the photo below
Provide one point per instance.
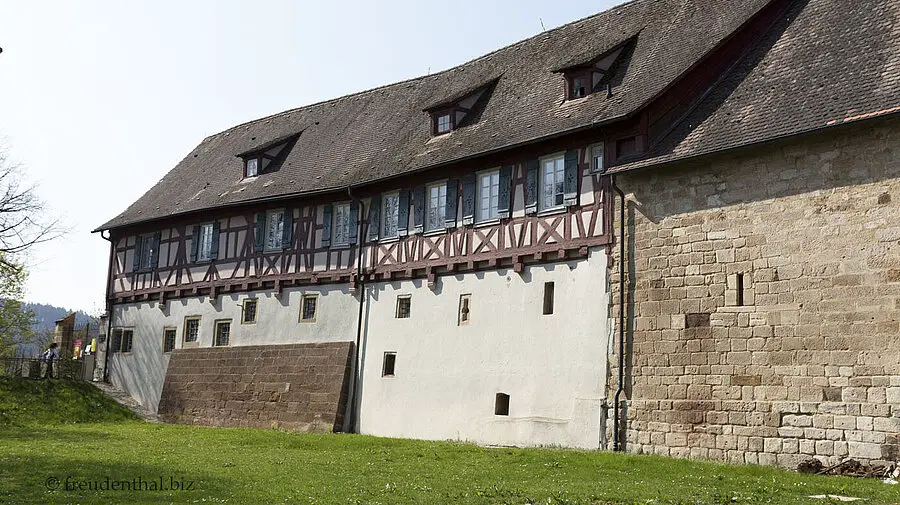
(252, 466)
(36, 402)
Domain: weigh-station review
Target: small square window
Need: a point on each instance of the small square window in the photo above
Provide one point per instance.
(403, 306)
(444, 123)
(548, 298)
(308, 307)
(465, 314)
(223, 333)
(127, 340)
(501, 404)
(249, 312)
(191, 329)
(252, 169)
(579, 87)
(169, 335)
(598, 162)
(387, 368)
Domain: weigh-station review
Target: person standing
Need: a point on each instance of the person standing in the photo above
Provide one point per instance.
(48, 360)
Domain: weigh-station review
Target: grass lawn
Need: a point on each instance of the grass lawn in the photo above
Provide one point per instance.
(253, 466)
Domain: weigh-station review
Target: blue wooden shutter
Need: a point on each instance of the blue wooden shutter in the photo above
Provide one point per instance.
(503, 199)
(468, 199)
(531, 186)
(259, 239)
(195, 243)
(403, 214)
(374, 217)
(452, 203)
(214, 248)
(571, 178)
(419, 209)
(326, 225)
(287, 230)
(353, 222)
(136, 264)
(154, 250)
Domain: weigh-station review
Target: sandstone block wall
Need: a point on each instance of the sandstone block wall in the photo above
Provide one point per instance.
(301, 387)
(763, 301)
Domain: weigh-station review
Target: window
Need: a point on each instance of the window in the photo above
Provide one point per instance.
(598, 163)
(308, 308)
(205, 242)
(443, 123)
(387, 367)
(169, 339)
(435, 205)
(145, 252)
(191, 329)
(274, 229)
(115, 343)
(501, 404)
(553, 176)
(548, 298)
(252, 167)
(223, 333)
(341, 226)
(579, 87)
(249, 312)
(390, 212)
(488, 196)
(404, 303)
(464, 311)
(127, 340)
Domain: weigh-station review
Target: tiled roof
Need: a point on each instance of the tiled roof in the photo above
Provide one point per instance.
(384, 132)
(828, 62)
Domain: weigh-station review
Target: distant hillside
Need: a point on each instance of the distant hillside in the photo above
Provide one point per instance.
(47, 315)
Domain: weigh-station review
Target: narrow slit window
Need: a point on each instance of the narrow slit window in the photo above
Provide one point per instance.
(387, 369)
(404, 305)
(548, 298)
(739, 286)
(465, 313)
(501, 404)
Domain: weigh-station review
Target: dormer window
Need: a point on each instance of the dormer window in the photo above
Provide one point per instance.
(589, 74)
(582, 82)
(579, 88)
(251, 167)
(459, 110)
(443, 124)
(267, 157)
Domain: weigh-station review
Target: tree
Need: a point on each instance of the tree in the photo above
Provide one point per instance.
(23, 224)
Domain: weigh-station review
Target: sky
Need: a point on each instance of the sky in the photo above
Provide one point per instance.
(99, 99)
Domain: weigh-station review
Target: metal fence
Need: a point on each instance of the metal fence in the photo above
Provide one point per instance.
(34, 368)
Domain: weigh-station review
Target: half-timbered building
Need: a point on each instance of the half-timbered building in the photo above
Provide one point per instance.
(440, 258)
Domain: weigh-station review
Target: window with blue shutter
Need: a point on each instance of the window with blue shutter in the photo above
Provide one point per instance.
(503, 198)
(326, 225)
(531, 186)
(468, 199)
(374, 218)
(419, 209)
(403, 214)
(452, 203)
(571, 178)
(259, 235)
(287, 233)
(353, 223)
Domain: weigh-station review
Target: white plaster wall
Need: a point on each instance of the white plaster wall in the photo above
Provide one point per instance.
(552, 366)
(141, 372)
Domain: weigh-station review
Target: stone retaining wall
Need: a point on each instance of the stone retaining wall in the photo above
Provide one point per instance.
(764, 314)
(301, 387)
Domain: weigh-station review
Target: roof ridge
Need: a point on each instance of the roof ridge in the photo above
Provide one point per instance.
(612, 9)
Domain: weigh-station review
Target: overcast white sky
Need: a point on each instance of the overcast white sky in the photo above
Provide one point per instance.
(99, 99)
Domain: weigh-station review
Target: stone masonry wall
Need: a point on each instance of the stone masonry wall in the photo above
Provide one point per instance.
(299, 387)
(764, 301)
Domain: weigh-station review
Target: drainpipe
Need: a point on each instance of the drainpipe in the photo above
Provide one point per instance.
(351, 397)
(617, 407)
(109, 312)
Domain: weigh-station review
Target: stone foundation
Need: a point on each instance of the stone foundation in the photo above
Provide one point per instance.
(301, 387)
(764, 301)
